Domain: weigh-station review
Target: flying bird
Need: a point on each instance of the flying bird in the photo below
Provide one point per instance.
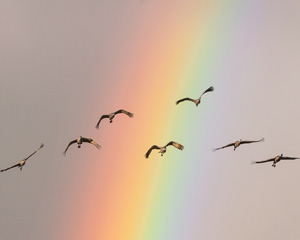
(237, 144)
(198, 100)
(276, 160)
(163, 149)
(112, 115)
(81, 140)
(23, 162)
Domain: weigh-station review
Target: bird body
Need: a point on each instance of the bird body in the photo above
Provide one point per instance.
(237, 144)
(81, 140)
(198, 100)
(163, 149)
(111, 116)
(276, 159)
(22, 162)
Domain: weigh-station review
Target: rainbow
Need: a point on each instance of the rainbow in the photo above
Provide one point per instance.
(178, 49)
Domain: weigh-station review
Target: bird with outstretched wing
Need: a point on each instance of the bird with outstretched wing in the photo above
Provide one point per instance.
(198, 100)
(81, 140)
(276, 159)
(237, 144)
(163, 149)
(112, 115)
(22, 162)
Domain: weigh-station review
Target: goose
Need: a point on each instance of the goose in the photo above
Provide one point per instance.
(23, 162)
(276, 159)
(163, 149)
(81, 140)
(237, 144)
(112, 115)
(198, 100)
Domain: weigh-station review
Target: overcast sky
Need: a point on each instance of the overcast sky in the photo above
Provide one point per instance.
(59, 60)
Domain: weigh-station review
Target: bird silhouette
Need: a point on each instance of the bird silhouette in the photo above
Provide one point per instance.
(237, 144)
(198, 100)
(112, 115)
(22, 162)
(276, 160)
(81, 140)
(163, 149)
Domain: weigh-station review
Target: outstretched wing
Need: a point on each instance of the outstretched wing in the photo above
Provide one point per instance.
(229, 145)
(268, 160)
(16, 165)
(245, 142)
(289, 158)
(89, 140)
(103, 116)
(150, 149)
(175, 144)
(210, 89)
(74, 141)
(125, 112)
(185, 99)
(42, 145)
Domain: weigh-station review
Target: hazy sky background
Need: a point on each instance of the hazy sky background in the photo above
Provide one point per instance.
(61, 67)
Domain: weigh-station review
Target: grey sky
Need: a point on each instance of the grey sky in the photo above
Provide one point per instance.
(53, 54)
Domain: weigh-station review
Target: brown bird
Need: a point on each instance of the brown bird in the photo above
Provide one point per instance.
(237, 144)
(22, 163)
(112, 115)
(276, 159)
(163, 149)
(198, 100)
(81, 140)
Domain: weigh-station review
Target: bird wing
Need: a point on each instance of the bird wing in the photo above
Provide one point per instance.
(175, 144)
(268, 160)
(289, 158)
(210, 89)
(185, 99)
(103, 116)
(150, 149)
(74, 141)
(42, 145)
(89, 140)
(16, 165)
(245, 142)
(229, 145)
(125, 112)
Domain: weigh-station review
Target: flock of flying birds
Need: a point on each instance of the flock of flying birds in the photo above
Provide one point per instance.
(163, 149)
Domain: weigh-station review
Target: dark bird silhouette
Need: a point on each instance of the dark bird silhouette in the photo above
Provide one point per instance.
(112, 115)
(81, 140)
(198, 100)
(23, 162)
(237, 144)
(163, 149)
(276, 159)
